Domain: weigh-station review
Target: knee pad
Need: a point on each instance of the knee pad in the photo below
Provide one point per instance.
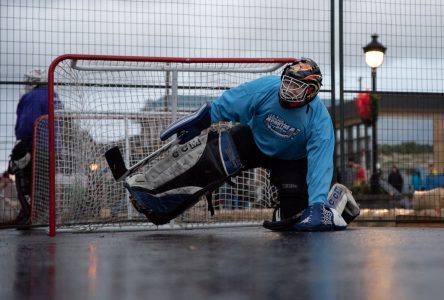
(187, 172)
(23, 186)
(290, 179)
(23, 181)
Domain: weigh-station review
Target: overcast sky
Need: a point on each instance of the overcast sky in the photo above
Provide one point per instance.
(34, 32)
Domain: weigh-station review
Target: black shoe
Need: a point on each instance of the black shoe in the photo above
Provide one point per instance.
(23, 221)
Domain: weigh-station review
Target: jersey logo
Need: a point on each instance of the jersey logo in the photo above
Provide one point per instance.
(279, 127)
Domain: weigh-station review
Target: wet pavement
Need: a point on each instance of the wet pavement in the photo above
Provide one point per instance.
(224, 263)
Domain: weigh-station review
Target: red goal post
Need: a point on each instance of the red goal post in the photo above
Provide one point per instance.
(74, 77)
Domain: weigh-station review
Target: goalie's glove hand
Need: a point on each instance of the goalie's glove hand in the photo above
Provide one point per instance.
(20, 156)
(189, 126)
(320, 217)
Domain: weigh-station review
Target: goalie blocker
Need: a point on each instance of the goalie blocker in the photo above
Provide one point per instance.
(189, 171)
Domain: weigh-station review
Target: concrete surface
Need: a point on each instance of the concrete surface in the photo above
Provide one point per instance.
(226, 263)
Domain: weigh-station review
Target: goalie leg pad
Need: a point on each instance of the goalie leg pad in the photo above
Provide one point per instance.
(188, 172)
(162, 208)
(200, 162)
(340, 198)
(23, 186)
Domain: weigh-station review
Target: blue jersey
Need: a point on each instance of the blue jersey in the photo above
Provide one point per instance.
(31, 106)
(283, 133)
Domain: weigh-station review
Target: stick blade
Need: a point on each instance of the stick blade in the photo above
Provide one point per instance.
(283, 225)
(116, 163)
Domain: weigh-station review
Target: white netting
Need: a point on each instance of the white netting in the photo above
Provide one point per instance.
(108, 103)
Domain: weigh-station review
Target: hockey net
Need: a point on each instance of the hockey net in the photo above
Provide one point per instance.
(127, 101)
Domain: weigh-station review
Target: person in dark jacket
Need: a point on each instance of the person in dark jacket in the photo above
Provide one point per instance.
(395, 179)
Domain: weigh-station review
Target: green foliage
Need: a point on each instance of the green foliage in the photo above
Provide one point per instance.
(374, 106)
(405, 148)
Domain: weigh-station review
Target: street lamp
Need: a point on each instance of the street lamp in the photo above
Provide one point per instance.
(374, 56)
(374, 53)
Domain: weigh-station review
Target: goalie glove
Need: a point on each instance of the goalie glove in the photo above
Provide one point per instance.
(20, 156)
(15, 166)
(340, 209)
(320, 217)
(189, 126)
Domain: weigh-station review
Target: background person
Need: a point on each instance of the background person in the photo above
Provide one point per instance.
(32, 105)
(416, 181)
(395, 179)
(358, 173)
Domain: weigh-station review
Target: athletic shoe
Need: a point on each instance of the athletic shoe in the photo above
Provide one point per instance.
(320, 217)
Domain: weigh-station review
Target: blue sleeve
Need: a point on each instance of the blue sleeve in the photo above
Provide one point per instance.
(28, 111)
(320, 148)
(31, 106)
(235, 105)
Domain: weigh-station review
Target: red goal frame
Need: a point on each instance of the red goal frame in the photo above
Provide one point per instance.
(51, 93)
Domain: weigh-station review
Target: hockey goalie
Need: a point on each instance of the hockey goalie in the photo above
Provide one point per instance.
(281, 125)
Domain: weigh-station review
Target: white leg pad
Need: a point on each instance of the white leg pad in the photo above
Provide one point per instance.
(341, 199)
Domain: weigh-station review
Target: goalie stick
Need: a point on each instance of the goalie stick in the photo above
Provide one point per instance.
(282, 225)
(117, 165)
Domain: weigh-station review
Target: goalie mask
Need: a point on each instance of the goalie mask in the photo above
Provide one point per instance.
(300, 84)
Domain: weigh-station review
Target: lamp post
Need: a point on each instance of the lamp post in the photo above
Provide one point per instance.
(374, 56)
